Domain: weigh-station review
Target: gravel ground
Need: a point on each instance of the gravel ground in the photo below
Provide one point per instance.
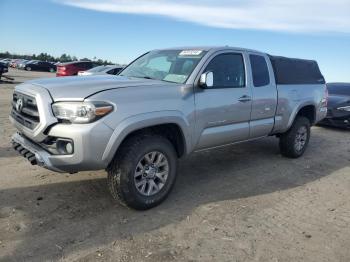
(239, 203)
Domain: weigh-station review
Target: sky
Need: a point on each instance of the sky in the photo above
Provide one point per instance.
(121, 30)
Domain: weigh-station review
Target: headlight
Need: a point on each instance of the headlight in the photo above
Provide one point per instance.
(344, 108)
(81, 112)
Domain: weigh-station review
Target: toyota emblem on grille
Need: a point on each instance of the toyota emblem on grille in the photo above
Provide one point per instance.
(19, 105)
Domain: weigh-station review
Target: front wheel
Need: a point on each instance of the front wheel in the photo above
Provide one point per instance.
(51, 70)
(143, 172)
(294, 142)
(28, 68)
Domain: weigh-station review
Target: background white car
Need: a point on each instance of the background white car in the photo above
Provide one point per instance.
(101, 70)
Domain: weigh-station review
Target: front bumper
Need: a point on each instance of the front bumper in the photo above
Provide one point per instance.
(35, 154)
(90, 141)
(336, 122)
(336, 118)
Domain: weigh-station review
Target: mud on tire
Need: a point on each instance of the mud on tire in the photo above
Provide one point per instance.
(294, 142)
(122, 177)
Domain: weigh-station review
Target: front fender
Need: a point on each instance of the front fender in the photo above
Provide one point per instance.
(145, 120)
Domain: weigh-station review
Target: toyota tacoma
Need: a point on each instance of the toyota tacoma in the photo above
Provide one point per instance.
(163, 106)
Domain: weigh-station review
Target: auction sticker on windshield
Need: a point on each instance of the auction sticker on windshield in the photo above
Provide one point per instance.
(190, 52)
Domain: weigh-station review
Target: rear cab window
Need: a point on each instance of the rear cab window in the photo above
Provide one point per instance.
(260, 71)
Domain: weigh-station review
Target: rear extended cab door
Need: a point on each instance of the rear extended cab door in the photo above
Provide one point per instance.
(264, 95)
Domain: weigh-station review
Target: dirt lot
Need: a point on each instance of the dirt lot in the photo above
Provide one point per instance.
(240, 203)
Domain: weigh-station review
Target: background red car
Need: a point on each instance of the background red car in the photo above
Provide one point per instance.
(72, 68)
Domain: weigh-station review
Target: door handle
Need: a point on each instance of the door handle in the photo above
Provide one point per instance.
(244, 99)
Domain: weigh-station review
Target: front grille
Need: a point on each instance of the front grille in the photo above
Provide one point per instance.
(25, 111)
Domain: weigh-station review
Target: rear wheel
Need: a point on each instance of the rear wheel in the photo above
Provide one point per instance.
(28, 68)
(294, 142)
(52, 70)
(143, 172)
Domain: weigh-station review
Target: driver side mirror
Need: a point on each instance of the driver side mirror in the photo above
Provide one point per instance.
(207, 80)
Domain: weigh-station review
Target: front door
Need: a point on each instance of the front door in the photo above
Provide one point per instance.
(223, 111)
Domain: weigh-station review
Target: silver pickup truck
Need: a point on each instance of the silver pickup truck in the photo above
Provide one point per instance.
(163, 106)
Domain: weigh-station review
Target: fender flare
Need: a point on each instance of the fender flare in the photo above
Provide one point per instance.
(296, 111)
(140, 121)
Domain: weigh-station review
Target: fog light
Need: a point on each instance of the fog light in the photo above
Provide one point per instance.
(69, 148)
(64, 147)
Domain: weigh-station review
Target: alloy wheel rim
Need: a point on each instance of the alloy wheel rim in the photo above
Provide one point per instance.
(300, 139)
(151, 173)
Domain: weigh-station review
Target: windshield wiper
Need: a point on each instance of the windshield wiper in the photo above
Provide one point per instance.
(148, 77)
(144, 77)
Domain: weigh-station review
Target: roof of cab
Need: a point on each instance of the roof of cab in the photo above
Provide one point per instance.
(211, 48)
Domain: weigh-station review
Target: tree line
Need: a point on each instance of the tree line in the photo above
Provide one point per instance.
(47, 57)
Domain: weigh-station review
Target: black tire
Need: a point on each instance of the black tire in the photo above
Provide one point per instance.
(121, 182)
(289, 140)
(51, 70)
(28, 68)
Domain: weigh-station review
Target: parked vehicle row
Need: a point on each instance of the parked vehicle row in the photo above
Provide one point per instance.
(63, 69)
(16, 62)
(29, 65)
(161, 107)
(6, 61)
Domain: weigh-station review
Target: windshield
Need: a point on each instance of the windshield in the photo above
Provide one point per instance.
(166, 65)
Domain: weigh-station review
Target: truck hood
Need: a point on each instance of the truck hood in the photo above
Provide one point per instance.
(77, 88)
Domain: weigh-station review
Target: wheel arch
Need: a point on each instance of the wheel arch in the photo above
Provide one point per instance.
(305, 110)
(172, 126)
